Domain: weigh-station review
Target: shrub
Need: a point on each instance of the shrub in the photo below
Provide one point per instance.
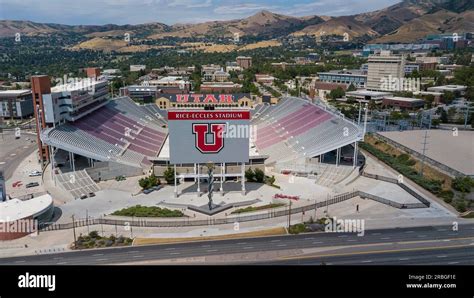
(259, 175)
(94, 234)
(144, 211)
(446, 194)
(448, 200)
(298, 228)
(461, 206)
(250, 175)
(463, 184)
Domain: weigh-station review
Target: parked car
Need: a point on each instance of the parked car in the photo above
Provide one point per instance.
(83, 196)
(32, 184)
(35, 173)
(156, 187)
(91, 194)
(148, 190)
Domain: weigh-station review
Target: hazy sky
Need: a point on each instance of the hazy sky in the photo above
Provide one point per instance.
(88, 12)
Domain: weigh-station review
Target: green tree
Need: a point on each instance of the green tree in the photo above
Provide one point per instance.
(259, 175)
(250, 175)
(447, 97)
(169, 175)
(337, 93)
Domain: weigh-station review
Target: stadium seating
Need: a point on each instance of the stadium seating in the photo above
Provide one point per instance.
(296, 128)
(120, 131)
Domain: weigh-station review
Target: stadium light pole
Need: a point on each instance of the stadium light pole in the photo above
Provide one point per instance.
(366, 109)
(360, 112)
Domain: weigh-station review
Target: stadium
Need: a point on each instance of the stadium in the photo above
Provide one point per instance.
(121, 138)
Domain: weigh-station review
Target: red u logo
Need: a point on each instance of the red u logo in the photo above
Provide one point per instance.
(200, 130)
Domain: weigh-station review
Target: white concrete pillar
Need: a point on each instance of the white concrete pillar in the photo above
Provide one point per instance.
(243, 178)
(175, 183)
(199, 179)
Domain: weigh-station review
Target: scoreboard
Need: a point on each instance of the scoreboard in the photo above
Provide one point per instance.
(201, 136)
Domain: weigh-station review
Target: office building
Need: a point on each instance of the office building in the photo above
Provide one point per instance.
(382, 67)
(16, 104)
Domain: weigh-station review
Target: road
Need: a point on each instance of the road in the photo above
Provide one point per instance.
(14, 151)
(420, 245)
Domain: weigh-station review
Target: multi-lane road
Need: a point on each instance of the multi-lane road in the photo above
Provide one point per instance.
(419, 245)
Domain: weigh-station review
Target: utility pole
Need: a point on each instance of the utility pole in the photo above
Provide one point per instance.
(74, 231)
(424, 152)
(87, 220)
(289, 216)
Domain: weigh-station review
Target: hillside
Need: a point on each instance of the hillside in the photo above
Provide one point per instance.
(439, 22)
(338, 26)
(406, 21)
(260, 24)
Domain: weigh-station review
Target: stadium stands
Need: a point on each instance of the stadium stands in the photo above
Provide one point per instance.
(296, 128)
(120, 131)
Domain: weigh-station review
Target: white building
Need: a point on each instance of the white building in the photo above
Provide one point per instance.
(383, 66)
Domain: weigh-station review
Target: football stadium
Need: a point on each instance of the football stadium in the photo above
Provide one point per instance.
(118, 137)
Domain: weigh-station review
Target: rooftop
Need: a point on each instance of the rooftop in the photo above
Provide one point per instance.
(406, 99)
(15, 209)
(14, 92)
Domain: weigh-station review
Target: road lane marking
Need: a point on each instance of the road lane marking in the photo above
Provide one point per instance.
(174, 253)
(444, 256)
(132, 252)
(446, 240)
(22, 261)
(452, 263)
(366, 261)
(102, 259)
(373, 252)
(137, 256)
(311, 238)
(384, 238)
(248, 247)
(404, 259)
(351, 240)
(241, 243)
(421, 236)
(275, 241)
(97, 255)
(205, 246)
(375, 234)
(171, 248)
(211, 250)
(410, 232)
(281, 245)
(317, 242)
(61, 263)
(442, 230)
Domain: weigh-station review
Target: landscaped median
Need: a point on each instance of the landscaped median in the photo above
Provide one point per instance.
(94, 240)
(145, 211)
(258, 208)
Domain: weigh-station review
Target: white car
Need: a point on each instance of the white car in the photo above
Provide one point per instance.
(35, 173)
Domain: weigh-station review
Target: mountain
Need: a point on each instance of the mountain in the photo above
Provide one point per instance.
(338, 26)
(406, 21)
(263, 24)
(389, 19)
(441, 21)
(11, 27)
